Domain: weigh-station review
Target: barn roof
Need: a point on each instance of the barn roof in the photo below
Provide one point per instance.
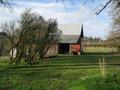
(72, 38)
(69, 38)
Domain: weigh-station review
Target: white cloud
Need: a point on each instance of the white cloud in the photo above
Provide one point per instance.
(69, 21)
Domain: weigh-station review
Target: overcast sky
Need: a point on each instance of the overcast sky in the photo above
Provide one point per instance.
(70, 16)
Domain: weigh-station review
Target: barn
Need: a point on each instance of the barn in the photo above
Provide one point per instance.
(68, 44)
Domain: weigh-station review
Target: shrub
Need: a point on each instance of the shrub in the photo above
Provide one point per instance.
(111, 82)
(13, 83)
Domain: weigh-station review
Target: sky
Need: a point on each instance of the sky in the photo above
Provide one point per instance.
(70, 16)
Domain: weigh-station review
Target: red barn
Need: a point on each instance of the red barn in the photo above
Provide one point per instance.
(75, 49)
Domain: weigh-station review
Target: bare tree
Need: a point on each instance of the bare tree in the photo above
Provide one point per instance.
(32, 35)
(114, 35)
(49, 37)
(7, 4)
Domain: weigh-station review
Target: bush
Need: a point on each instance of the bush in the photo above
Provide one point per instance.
(13, 83)
(111, 82)
(18, 83)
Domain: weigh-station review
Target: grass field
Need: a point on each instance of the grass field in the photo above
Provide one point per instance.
(93, 49)
(59, 73)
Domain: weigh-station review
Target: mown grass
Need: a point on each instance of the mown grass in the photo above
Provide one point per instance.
(59, 73)
(100, 49)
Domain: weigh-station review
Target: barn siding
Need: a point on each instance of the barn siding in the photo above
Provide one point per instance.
(53, 50)
(70, 52)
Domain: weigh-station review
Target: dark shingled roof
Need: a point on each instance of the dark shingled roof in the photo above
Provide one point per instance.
(72, 38)
(69, 38)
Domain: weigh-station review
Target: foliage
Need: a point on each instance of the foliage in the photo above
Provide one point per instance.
(32, 35)
(111, 82)
(93, 41)
(114, 35)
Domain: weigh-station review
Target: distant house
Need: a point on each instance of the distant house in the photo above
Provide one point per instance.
(69, 44)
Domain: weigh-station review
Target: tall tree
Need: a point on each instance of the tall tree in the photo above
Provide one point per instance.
(49, 37)
(114, 35)
(32, 35)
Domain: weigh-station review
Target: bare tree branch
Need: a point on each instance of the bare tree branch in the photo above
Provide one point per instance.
(85, 1)
(6, 3)
(97, 13)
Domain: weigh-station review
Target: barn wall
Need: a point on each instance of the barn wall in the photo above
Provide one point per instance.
(75, 48)
(53, 50)
(70, 52)
(63, 48)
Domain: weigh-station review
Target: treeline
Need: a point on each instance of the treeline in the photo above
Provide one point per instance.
(94, 41)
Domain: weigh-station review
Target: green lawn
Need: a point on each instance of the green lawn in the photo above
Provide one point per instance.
(59, 73)
(96, 49)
